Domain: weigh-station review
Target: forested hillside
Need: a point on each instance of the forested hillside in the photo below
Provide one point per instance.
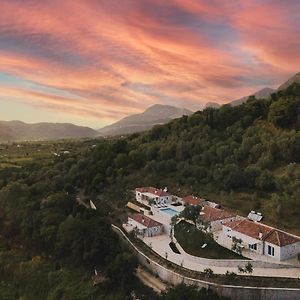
(246, 157)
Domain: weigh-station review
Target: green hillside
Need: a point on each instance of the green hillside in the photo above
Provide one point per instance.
(245, 157)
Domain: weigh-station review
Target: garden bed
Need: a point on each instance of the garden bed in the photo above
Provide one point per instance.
(174, 248)
(192, 240)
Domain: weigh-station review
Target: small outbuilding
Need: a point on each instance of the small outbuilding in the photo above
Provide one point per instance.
(145, 226)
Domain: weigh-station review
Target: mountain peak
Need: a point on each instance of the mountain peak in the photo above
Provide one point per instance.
(167, 110)
(260, 94)
(155, 114)
(20, 131)
(212, 105)
(293, 79)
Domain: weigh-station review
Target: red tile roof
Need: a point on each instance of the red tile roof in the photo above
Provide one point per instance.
(192, 200)
(144, 220)
(209, 214)
(152, 190)
(271, 235)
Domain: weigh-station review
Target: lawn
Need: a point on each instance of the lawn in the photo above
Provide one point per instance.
(191, 240)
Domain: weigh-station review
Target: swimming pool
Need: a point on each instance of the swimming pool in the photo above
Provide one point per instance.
(170, 211)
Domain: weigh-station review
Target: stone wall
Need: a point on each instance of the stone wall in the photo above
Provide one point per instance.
(234, 292)
(289, 251)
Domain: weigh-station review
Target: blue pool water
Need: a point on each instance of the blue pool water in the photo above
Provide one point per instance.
(171, 212)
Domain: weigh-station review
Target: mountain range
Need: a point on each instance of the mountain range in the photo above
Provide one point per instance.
(156, 114)
(20, 131)
(261, 94)
(295, 78)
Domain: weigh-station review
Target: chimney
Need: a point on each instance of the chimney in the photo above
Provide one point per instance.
(260, 235)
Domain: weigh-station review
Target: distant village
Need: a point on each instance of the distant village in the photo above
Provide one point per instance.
(253, 238)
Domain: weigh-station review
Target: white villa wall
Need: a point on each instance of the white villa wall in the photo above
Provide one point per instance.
(162, 199)
(289, 251)
(280, 253)
(152, 231)
(141, 228)
(277, 250)
(138, 196)
(165, 199)
(246, 240)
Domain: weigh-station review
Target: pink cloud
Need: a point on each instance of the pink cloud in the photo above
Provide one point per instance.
(116, 58)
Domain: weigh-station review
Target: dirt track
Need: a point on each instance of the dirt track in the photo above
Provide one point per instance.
(151, 281)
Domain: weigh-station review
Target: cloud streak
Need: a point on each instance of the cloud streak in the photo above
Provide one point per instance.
(114, 58)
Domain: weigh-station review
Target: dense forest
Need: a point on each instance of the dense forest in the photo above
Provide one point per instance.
(244, 157)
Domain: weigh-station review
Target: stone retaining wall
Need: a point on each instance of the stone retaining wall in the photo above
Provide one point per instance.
(234, 292)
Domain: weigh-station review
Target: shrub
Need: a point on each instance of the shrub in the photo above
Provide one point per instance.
(208, 272)
(249, 268)
(230, 275)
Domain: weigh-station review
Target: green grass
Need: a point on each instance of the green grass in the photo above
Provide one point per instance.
(191, 240)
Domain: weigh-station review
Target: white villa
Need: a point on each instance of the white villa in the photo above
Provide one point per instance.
(144, 225)
(259, 240)
(161, 197)
(262, 239)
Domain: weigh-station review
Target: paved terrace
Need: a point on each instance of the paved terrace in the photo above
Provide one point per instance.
(160, 244)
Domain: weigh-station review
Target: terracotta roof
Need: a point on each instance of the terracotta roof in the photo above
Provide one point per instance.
(271, 235)
(280, 238)
(152, 190)
(144, 220)
(209, 214)
(192, 200)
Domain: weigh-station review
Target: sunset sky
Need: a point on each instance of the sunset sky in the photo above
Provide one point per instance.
(92, 62)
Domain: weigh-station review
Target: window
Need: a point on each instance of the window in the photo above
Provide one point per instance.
(253, 247)
(270, 250)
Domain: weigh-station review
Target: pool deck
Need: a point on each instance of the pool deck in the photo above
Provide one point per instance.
(163, 217)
